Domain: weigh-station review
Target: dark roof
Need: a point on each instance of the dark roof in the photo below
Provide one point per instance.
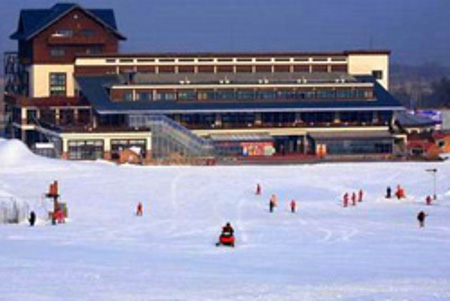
(409, 120)
(94, 89)
(33, 21)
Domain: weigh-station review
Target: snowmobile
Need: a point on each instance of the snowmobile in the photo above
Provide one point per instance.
(226, 239)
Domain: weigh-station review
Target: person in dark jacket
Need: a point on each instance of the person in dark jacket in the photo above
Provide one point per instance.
(271, 205)
(388, 192)
(421, 218)
(32, 218)
(227, 230)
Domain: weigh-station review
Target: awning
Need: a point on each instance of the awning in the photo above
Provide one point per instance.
(250, 137)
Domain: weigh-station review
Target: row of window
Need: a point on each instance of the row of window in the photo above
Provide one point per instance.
(67, 33)
(60, 52)
(222, 60)
(86, 150)
(247, 95)
(282, 118)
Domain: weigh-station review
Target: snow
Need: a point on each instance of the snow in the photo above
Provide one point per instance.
(374, 251)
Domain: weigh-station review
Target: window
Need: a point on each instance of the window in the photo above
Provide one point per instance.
(166, 96)
(87, 32)
(144, 96)
(63, 33)
(31, 116)
(127, 96)
(57, 52)
(378, 74)
(187, 95)
(119, 145)
(94, 50)
(85, 150)
(245, 94)
(57, 84)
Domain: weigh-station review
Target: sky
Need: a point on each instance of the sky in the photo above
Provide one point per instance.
(416, 31)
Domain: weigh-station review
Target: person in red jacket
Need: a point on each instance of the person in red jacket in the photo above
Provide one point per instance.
(293, 206)
(360, 195)
(354, 199)
(428, 200)
(140, 209)
(258, 189)
(345, 200)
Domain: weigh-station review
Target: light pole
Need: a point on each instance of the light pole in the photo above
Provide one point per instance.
(433, 171)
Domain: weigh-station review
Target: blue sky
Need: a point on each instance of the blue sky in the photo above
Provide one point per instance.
(417, 31)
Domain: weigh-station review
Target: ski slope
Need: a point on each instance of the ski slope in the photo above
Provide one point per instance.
(374, 251)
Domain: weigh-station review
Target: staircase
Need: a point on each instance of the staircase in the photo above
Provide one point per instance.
(170, 140)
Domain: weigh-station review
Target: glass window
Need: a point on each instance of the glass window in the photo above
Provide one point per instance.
(187, 95)
(87, 32)
(63, 33)
(144, 96)
(326, 94)
(31, 116)
(94, 50)
(166, 96)
(378, 74)
(127, 96)
(245, 95)
(85, 150)
(346, 94)
(286, 94)
(225, 95)
(57, 84)
(57, 52)
(267, 95)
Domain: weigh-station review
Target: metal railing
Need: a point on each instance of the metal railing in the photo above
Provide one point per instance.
(172, 140)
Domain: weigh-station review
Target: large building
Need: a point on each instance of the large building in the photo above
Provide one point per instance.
(69, 86)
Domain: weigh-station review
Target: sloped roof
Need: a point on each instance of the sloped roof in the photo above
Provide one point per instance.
(409, 120)
(33, 21)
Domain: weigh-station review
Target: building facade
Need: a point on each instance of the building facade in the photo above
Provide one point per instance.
(69, 85)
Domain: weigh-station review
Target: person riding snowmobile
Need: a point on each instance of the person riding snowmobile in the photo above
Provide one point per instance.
(227, 236)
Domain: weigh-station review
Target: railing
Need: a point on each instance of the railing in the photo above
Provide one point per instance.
(170, 139)
(281, 125)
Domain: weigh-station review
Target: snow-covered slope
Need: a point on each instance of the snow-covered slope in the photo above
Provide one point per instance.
(374, 251)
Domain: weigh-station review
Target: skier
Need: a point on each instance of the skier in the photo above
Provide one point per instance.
(421, 218)
(428, 200)
(345, 200)
(354, 199)
(400, 193)
(271, 205)
(388, 192)
(139, 210)
(293, 206)
(258, 189)
(274, 199)
(58, 217)
(227, 236)
(360, 196)
(32, 218)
